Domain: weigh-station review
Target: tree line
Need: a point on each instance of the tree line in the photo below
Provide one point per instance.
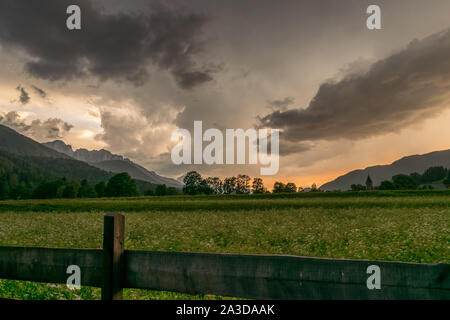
(29, 184)
(194, 184)
(14, 185)
(120, 185)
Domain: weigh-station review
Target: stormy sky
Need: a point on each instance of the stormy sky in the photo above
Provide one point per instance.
(343, 96)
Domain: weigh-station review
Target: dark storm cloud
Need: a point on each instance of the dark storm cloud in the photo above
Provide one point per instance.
(109, 46)
(24, 97)
(287, 147)
(402, 90)
(190, 79)
(281, 104)
(39, 91)
(52, 128)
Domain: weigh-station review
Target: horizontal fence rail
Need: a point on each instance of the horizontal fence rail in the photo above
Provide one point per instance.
(245, 276)
(282, 277)
(50, 264)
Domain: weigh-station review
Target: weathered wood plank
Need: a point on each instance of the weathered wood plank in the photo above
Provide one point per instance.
(50, 264)
(245, 276)
(282, 277)
(113, 258)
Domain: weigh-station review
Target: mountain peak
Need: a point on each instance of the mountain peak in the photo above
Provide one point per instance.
(60, 146)
(82, 154)
(105, 160)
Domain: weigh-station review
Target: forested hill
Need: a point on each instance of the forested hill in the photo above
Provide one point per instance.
(18, 152)
(24, 163)
(406, 165)
(13, 142)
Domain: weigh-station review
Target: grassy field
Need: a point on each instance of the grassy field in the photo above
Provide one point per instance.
(410, 226)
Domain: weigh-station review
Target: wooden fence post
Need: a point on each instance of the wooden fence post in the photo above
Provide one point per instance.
(113, 257)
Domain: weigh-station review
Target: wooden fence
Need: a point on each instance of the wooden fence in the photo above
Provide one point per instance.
(245, 276)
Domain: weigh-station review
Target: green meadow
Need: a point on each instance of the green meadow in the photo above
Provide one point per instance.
(409, 226)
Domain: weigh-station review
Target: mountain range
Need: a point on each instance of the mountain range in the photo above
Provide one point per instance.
(56, 160)
(23, 155)
(109, 162)
(26, 161)
(405, 165)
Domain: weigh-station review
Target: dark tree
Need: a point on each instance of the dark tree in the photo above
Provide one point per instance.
(243, 184)
(100, 189)
(387, 185)
(215, 184)
(290, 187)
(161, 190)
(279, 187)
(417, 177)
(4, 188)
(403, 181)
(434, 174)
(258, 186)
(205, 188)
(47, 189)
(68, 191)
(121, 185)
(86, 191)
(192, 183)
(229, 185)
